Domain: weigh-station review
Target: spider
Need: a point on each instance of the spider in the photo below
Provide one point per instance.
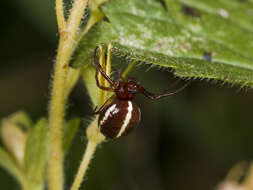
(119, 114)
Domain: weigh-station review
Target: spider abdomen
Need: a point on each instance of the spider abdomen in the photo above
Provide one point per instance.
(119, 118)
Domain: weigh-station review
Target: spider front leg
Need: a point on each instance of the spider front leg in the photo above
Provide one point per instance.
(118, 79)
(100, 69)
(102, 87)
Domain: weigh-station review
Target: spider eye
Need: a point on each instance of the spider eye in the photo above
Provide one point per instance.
(133, 91)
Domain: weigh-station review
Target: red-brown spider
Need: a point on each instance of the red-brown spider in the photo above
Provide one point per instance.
(120, 116)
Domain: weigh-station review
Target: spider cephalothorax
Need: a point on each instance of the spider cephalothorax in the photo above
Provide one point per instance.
(119, 114)
(127, 90)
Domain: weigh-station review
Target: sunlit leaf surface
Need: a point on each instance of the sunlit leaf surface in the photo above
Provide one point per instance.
(197, 38)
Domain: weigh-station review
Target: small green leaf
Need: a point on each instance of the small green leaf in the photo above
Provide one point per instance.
(20, 118)
(14, 139)
(36, 153)
(217, 43)
(8, 163)
(69, 132)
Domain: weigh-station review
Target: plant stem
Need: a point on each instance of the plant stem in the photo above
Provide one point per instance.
(34, 186)
(128, 69)
(95, 17)
(60, 15)
(94, 138)
(76, 15)
(90, 149)
(58, 97)
(56, 120)
(71, 79)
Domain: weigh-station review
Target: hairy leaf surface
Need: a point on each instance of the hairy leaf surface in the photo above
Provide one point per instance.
(197, 38)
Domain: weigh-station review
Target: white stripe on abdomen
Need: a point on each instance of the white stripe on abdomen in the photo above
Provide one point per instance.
(107, 113)
(126, 119)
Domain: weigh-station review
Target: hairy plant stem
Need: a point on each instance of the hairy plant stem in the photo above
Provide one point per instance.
(56, 123)
(89, 152)
(56, 120)
(58, 98)
(94, 138)
(128, 69)
(90, 149)
(60, 15)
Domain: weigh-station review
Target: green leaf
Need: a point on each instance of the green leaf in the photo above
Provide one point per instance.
(21, 119)
(69, 132)
(36, 153)
(8, 163)
(14, 140)
(217, 43)
(216, 23)
(239, 12)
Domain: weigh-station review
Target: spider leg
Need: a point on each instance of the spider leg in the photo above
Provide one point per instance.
(102, 87)
(118, 78)
(172, 85)
(94, 110)
(161, 95)
(103, 106)
(99, 68)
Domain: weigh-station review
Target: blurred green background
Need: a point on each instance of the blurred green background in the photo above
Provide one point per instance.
(187, 141)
